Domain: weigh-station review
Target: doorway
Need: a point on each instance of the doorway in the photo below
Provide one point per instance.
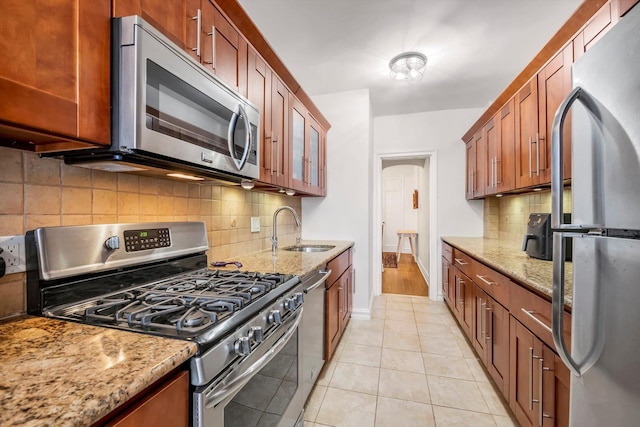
(390, 208)
(403, 210)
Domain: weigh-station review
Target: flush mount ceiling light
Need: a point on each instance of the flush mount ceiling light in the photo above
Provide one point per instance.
(408, 67)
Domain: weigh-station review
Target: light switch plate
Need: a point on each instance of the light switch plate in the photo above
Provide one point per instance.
(13, 252)
(255, 224)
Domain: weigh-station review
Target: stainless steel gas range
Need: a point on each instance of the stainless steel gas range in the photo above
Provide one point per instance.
(153, 278)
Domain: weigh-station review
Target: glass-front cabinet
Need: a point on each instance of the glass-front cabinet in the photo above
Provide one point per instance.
(308, 141)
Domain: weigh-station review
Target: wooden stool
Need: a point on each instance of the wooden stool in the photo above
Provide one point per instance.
(411, 234)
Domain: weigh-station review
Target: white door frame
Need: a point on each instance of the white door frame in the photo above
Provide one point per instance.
(376, 272)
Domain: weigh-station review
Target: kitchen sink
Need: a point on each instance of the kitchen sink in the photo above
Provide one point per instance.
(309, 248)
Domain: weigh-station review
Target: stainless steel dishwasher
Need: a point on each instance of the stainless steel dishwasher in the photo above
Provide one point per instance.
(313, 285)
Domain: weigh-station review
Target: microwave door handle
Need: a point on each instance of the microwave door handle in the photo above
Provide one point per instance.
(232, 127)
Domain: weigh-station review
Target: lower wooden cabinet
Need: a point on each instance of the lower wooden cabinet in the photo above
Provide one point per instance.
(338, 300)
(539, 391)
(166, 405)
(510, 340)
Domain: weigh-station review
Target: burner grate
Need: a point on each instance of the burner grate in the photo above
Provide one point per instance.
(186, 303)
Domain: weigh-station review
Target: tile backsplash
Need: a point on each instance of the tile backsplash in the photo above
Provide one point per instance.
(39, 192)
(506, 217)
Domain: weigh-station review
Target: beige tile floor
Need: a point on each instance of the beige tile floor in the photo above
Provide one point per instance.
(409, 365)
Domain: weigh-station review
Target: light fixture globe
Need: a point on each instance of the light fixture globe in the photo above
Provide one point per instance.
(408, 67)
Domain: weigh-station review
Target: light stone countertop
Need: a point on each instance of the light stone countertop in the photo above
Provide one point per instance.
(508, 258)
(289, 262)
(58, 373)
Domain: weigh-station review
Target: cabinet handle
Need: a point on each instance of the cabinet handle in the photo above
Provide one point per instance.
(213, 46)
(482, 319)
(277, 158)
(353, 281)
(487, 335)
(542, 414)
(538, 138)
(531, 378)
(530, 168)
(484, 279)
(461, 261)
(273, 141)
(198, 19)
(498, 180)
(541, 398)
(531, 314)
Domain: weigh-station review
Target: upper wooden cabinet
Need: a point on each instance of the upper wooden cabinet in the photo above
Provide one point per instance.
(527, 107)
(554, 84)
(307, 155)
(55, 75)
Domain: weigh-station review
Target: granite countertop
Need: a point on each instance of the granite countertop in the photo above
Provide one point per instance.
(58, 373)
(508, 258)
(289, 262)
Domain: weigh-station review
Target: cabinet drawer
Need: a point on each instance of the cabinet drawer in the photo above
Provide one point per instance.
(463, 261)
(338, 265)
(534, 312)
(492, 282)
(447, 252)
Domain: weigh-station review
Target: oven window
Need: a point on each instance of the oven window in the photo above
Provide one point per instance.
(177, 109)
(265, 398)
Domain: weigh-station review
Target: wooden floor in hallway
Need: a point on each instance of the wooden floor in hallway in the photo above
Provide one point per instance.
(406, 279)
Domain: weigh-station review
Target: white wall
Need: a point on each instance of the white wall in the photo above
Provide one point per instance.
(399, 214)
(345, 213)
(424, 234)
(439, 132)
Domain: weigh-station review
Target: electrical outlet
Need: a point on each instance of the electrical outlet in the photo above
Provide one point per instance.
(13, 253)
(255, 224)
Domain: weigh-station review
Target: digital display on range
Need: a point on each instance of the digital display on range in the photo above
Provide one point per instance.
(142, 240)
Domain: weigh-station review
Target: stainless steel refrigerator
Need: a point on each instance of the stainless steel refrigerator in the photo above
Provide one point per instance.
(604, 354)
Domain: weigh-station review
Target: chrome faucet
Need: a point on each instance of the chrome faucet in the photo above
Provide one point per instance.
(274, 238)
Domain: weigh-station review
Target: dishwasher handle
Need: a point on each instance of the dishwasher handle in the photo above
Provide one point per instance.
(319, 282)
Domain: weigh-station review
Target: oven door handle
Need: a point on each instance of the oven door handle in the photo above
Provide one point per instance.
(224, 390)
(240, 112)
(319, 282)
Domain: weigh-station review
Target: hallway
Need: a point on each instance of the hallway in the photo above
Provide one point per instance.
(406, 279)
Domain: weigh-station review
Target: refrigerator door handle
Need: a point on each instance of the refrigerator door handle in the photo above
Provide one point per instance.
(557, 197)
(557, 305)
(596, 335)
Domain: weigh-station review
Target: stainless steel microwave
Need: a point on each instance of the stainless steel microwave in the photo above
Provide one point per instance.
(170, 114)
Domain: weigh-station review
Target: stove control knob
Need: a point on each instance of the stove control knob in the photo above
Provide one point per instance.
(299, 298)
(275, 317)
(290, 304)
(112, 243)
(255, 333)
(242, 346)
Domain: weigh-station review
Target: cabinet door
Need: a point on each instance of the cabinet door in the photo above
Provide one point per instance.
(299, 136)
(506, 166)
(554, 84)
(279, 157)
(557, 374)
(601, 22)
(345, 298)
(471, 168)
(479, 180)
(464, 301)
(497, 337)
(315, 162)
(230, 53)
(446, 266)
(259, 93)
(480, 323)
(492, 139)
(527, 154)
(521, 390)
(55, 71)
(332, 318)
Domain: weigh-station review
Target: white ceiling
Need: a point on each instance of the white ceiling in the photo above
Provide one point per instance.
(475, 48)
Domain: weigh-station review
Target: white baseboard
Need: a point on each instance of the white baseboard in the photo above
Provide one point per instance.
(424, 272)
(361, 314)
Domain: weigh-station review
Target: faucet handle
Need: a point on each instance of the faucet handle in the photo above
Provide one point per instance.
(298, 240)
